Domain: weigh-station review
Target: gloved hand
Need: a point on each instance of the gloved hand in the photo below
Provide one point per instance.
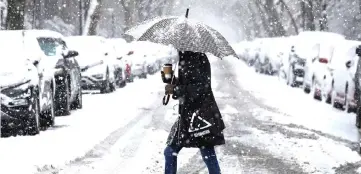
(169, 89)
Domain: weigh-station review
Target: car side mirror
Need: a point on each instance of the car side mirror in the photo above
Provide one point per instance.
(70, 54)
(348, 64)
(358, 50)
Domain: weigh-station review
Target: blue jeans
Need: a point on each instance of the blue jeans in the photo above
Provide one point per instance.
(208, 155)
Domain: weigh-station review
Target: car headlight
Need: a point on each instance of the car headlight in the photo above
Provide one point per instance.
(17, 95)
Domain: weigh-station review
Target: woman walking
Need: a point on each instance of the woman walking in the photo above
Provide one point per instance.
(200, 123)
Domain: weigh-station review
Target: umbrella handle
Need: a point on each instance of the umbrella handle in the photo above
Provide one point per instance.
(166, 99)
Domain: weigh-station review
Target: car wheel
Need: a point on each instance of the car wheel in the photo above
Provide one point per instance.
(112, 87)
(144, 75)
(78, 103)
(335, 104)
(62, 97)
(47, 118)
(306, 89)
(107, 87)
(32, 124)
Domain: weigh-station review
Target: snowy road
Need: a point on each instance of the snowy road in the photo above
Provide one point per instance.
(271, 128)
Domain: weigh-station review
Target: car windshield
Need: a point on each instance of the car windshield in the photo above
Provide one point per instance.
(51, 46)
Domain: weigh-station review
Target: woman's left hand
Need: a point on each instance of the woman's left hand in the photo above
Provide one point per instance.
(169, 89)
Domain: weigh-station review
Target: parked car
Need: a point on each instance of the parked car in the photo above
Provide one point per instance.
(316, 67)
(96, 61)
(339, 85)
(66, 70)
(26, 88)
(294, 64)
(117, 47)
(137, 57)
(254, 51)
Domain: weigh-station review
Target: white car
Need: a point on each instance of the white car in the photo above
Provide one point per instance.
(117, 47)
(316, 67)
(97, 62)
(339, 85)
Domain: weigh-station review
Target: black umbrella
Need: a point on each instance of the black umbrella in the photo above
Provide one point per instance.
(188, 35)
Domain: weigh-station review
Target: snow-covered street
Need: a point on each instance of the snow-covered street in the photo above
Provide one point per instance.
(271, 128)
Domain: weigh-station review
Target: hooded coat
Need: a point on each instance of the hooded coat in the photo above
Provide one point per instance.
(200, 122)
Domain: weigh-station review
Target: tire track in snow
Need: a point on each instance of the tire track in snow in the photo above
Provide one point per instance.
(99, 150)
(125, 142)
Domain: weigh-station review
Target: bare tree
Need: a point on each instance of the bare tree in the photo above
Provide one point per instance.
(94, 19)
(15, 17)
(293, 21)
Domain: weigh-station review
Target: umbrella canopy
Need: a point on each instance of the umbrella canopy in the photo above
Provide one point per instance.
(188, 35)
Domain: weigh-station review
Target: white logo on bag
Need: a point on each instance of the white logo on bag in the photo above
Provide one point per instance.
(198, 134)
(192, 129)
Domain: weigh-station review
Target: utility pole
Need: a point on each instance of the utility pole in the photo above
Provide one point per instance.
(80, 17)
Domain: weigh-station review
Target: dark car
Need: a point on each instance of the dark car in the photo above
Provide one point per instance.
(26, 87)
(67, 74)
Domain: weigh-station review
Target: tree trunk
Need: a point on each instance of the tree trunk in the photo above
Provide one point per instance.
(15, 17)
(274, 19)
(94, 19)
(262, 15)
(128, 17)
(324, 20)
(290, 15)
(309, 16)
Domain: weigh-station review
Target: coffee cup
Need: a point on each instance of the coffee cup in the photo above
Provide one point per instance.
(167, 70)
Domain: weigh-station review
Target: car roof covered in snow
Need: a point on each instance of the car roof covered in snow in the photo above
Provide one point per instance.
(87, 45)
(321, 35)
(43, 33)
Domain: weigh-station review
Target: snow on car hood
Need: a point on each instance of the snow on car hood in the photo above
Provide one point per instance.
(12, 73)
(98, 69)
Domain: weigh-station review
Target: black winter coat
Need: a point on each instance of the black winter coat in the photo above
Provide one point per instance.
(200, 122)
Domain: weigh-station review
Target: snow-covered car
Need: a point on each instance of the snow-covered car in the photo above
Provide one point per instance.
(294, 62)
(339, 86)
(117, 47)
(270, 55)
(64, 66)
(254, 52)
(123, 49)
(141, 58)
(26, 97)
(322, 45)
(96, 62)
(139, 67)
